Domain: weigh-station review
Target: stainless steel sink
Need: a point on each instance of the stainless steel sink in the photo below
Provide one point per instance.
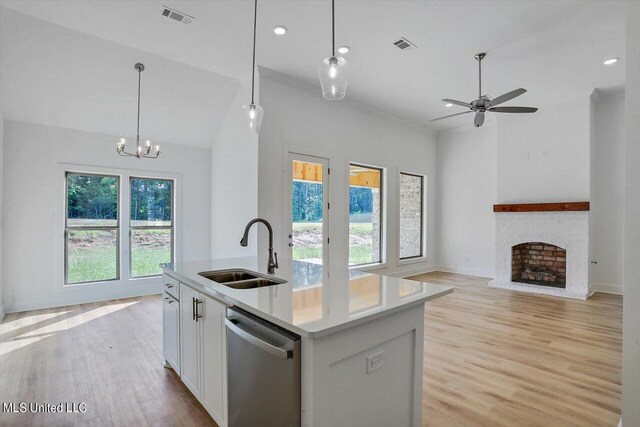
(240, 278)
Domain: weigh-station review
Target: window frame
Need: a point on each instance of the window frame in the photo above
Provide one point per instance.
(67, 228)
(422, 215)
(132, 228)
(382, 243)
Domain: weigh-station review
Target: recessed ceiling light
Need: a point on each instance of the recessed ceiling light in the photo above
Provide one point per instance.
(448, 105)
(280, 30)
(344, 49)
(610, 61)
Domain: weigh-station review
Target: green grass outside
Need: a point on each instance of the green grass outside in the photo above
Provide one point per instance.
(92, 255)
(100, 264)
(358, 254)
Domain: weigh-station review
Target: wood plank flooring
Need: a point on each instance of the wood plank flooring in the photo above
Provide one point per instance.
(495, 357)
(492, 358)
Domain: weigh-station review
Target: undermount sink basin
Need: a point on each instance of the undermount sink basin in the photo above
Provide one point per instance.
(240, 279)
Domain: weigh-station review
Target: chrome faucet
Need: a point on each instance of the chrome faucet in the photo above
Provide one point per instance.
(245, 241)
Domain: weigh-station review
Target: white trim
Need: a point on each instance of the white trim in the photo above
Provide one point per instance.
(488, 274)
(125, 286)
(1, 312)
(411, 272)
(369, 267)
(87, 296)
(606, 288)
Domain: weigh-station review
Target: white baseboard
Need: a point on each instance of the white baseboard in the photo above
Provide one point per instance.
(412, 272)
(1, 312)
(489, 274)
(67, 299)
(607, 288)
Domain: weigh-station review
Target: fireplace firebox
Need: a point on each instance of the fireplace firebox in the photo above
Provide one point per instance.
(539, 263)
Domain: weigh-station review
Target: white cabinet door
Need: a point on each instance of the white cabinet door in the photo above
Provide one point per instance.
(171, 329)
(213, 359)
(189, 340)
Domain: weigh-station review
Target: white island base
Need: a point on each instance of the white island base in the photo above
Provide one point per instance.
(367, 375)
(361, 335)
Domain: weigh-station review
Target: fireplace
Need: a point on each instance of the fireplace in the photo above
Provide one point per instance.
(539, 263)
(543, 248)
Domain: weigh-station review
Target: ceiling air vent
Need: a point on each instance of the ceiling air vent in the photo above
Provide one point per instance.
(404, 44)
(176, 15)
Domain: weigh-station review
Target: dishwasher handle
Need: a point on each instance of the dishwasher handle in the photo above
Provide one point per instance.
(274, 350)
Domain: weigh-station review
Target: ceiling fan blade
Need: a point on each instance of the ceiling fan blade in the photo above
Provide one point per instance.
(460, 103)
(450, 115)
(478, 119)
(506, 97)
(513, 109)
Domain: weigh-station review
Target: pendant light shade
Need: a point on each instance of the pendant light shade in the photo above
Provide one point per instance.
(253, 112)
(253, 117)
(333, 71)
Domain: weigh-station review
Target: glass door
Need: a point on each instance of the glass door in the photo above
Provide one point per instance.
(308, 208)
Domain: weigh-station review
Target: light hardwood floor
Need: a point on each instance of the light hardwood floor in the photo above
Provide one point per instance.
(492, 358)
(501, 358)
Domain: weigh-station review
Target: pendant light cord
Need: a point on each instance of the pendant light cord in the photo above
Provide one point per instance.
(253, 68)
(333, 28)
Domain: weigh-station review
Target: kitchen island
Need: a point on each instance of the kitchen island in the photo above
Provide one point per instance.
(360, 334)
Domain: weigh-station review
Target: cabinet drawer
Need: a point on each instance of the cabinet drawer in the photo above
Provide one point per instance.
(171, 286)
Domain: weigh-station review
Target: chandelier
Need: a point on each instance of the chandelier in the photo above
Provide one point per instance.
(141, 151)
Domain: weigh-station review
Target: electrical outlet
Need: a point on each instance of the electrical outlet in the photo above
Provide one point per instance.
(375, 362)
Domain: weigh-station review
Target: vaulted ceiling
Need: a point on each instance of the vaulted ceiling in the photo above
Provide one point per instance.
(554, 49)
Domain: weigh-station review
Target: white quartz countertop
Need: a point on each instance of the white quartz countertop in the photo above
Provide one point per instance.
(310, 304)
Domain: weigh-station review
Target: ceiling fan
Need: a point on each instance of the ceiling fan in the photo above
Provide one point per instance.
(484, 103)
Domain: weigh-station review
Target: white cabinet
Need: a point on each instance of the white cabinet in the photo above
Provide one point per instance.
(171, 331)
(214, 358)
(190, 340)
(203, 350)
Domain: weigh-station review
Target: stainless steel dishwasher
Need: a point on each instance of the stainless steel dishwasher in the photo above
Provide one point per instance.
(263, 372)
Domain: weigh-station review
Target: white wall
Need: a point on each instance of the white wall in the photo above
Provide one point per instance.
(297, 118)
(465, 195)
(34, 212)
(606, 220)
(544, 157)
(234, 181)
(631, 314)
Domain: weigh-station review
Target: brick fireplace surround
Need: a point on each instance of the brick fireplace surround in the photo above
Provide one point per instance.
(543, 248)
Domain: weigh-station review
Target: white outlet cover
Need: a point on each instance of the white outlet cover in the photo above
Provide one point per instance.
(375, 362)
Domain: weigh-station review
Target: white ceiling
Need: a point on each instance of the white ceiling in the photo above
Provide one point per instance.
(553, 48)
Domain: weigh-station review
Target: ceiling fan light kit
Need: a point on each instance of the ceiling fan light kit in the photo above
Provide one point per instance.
(484, 104)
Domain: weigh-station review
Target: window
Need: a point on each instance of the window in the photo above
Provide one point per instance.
(151, 225)
(411, 215)
(91, 228)
(365, 215)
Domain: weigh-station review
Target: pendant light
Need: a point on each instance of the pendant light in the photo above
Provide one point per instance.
(253, 111)
(333, 71)
(140, 151)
